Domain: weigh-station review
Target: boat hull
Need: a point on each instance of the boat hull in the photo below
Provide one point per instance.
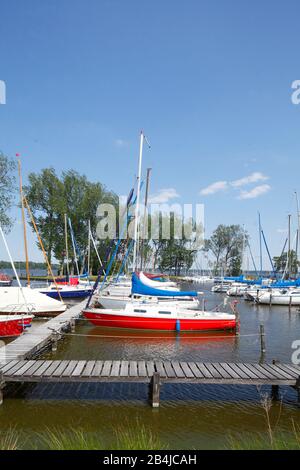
(12, 328)
(152, 323)
(80, 294)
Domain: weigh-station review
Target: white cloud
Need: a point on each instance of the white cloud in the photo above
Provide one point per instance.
(121, 143)
(163, 196)
(214, 188)
(255, 192)
(253, 178)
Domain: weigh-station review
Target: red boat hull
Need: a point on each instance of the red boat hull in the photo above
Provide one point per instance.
(13, 328)
(163, 324)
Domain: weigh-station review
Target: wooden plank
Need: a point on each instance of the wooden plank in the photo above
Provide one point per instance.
(23, 369)
(78, 369)
(213, 371)
(197, 372)
(187, 371)
(142, 369)
(9, 365)
(204, 370)
(244, 367)
(259, 374)
(150, 368)
(291, 368)
(124, 369)
(133, 369)
(239, 371)
(15, 368)
(89, 366)
(178, 370)
(97, 369)
(169, 370)
(51, 369)
(230, 371)
(288, 374)
(106, 369)
(115, 370)
(44, 366)
(258, 368)
(159, 366)
(35, 367)
(277, 372)
(69, 369)
(58, 372)
(224, 373)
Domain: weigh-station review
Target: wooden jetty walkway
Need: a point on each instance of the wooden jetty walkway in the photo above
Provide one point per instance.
(153, 372)
(31, 343)
(18, 364)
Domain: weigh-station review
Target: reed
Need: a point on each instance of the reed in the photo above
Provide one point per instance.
(129, 438)
(10, 439)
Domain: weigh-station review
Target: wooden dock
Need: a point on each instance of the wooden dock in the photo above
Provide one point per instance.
(153, 372)
(32, 342)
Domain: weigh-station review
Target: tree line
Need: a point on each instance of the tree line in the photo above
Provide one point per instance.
(51, 196)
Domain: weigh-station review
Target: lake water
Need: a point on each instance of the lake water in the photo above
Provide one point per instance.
(190, 416)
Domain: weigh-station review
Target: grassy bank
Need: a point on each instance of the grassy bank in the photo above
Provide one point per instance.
(125, 438)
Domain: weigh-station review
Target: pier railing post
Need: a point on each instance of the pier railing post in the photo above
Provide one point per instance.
(155, 390)
(262, 338)
(54, 338)
(275, 388)
(73, 325)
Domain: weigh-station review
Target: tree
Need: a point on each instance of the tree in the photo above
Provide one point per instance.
(173, 253)
(7, 189)
(280, 263)
(226, 244)
(51, 197)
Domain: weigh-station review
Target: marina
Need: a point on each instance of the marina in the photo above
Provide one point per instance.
(149, 228)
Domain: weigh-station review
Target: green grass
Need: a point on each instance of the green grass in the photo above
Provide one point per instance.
(9, 440)
(261, 441)
(125, 438)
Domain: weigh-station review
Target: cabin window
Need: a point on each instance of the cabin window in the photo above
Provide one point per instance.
(164, 312)
(139, 311)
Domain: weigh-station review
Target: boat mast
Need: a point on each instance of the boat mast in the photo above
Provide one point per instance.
(289, 246)
(23, 220)
(260, 244)
(298, 237)
(145, 216)
(137, 206)
(67, 249)
(89, 246)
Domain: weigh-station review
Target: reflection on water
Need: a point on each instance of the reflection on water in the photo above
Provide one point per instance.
(191, 416)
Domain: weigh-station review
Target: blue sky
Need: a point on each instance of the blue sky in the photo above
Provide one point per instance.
(208, 81)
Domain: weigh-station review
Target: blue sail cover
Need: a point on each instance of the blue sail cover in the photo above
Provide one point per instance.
(139, 288)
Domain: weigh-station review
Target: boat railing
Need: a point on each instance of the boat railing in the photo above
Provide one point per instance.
(15, 308)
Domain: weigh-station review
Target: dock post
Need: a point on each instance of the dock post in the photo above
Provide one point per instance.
(1, 387)
(54, 338)
(290, 303)
(155, 390)
(262, 339)
(275, 388)
(72, 325)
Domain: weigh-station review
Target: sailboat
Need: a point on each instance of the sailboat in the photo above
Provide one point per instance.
(69, 287)
(23, 300)
(5, 281)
